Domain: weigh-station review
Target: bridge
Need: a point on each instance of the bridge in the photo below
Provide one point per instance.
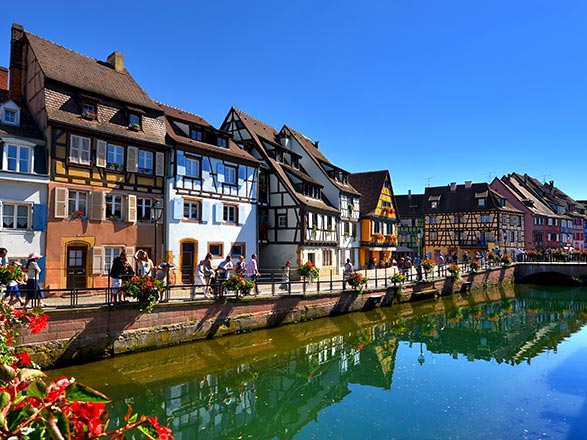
(565, 273)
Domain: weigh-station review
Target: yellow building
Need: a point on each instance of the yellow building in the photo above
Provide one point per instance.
(379, 218)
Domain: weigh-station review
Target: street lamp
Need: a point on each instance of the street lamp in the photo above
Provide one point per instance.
(419, 236)
(156, 214)
(421, 359)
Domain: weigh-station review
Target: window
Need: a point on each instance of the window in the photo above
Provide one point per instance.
(434, 204)
(480, 202)
(144, 209)
(113, 207)
(282, 221)
(216, 249)
(192, 168)
(79, 150)
(145, 162)
(134, 121)
(15, 216)
(110, 253)
(484, 218)
(77, 202)
(230, 175)
(431, 220)
(115, 157)
(327, 257)
(197, 135)
(18, 158)
(10, 116)
(221, 142)
(237, 250)
(229, 214)
(191, 210)
(433, 235)
(88, 110)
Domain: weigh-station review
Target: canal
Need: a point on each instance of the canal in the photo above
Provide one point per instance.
(496, 364)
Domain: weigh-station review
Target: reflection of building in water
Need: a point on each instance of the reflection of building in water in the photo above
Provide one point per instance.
(279, 393)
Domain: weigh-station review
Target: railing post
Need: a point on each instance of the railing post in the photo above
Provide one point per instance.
(304, 285)
(331, 286)
(272, 283)
(376, 277)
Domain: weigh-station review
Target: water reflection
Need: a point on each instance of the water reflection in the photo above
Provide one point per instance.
(273, 383)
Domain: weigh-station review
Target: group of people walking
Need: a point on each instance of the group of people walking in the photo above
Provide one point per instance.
(28, 282)
(210, 279)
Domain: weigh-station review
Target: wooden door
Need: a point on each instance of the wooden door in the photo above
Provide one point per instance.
(188, 256)
(76, 267)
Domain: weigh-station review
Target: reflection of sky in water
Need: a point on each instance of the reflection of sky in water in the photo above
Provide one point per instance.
(513, 368)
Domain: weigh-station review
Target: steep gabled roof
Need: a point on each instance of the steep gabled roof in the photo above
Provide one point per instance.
(84, 73)
(370, 185)
(461, 198)
(263, 133)
(409, 205)
(520, 187)
(315, 154)
(231, 151)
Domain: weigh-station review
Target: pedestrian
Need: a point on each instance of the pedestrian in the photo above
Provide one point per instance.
(12, 293)
(203, 276)
(241, 267)
(253, 271)
(224, 268)
(348, 268)
(33, 288)
(144, 264)
(418, 265)
(162, 271)
(285, 275)
(120, 271)
(440, 262)
(3, 258)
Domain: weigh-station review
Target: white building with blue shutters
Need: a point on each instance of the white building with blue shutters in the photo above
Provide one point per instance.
(23, 182)
(211, 195)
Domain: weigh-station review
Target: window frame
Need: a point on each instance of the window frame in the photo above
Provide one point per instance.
(230, 175)
(192, 163)
(19, 148)
(77, 202)
(15, 215)
(11, 111)
(220, 245)
(197, 134)
(149, 158)
(144, 212)
(190, 204)
(243, 248)
(281, 220)
(111, 202)
(79, 150)
(116, 150)
(135, 118)
(228, 208)
(114, 252)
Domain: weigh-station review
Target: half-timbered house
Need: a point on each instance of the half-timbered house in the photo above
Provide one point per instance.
(378, 216)
(296, 221)
(336, 188)
(23, 178)
(470, 218)
(107, 151)
(211, 196)
(541, 223)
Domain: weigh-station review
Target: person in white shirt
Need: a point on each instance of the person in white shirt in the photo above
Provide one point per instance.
(253, 271)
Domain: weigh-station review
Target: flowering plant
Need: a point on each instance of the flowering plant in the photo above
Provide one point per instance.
(390, 238)
(455, 271)
(308, 270)
(475, 266)
(428, 265)
(398, 278)
(238, 284)
(76, 214)
(506, 259)
(376, 236)
(533, 255)
(10, 272)
(357, 280)
(145, 289)
(492, 256)
(89, 115)
(33, 408)
(135, 126)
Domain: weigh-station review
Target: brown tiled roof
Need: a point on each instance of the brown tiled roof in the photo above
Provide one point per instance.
(518, 185)
(370, 185)
(463, 198)
(314, 153)
(71, 68)
(27, 128)
(177, 135)
(262, 132)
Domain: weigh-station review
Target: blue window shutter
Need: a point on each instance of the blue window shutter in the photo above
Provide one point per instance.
(220, 172)
(206, 212)
(40, 213)
(180, 163)
(42, 264)
(178, 208)
(205, 164)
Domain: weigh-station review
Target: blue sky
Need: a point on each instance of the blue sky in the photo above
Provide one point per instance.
(434, 91)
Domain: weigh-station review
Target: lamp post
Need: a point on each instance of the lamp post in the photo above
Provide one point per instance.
(421, 359)
(419, 236)
(156, 214)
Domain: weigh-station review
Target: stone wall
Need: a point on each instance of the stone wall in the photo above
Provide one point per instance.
(76, 336)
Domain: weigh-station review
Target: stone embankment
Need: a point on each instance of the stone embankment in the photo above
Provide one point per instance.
(82, 335)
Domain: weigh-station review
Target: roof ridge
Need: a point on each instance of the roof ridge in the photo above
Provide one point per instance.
(176, 108)
(254, 119)
(299, 132)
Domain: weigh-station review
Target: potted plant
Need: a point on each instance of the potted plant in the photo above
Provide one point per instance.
(135, 127)
(390, 238)
(145, 289)
(76, 214)
(475, 266)
(238, 284)
(398, 280)
(308, 270)
(376, 236)
(455, 271)
(506, 259)
(428, 266)
(90, 116)
(357, 281)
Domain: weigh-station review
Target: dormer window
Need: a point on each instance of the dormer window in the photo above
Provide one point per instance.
(434, 204)
(134, 121)
(89, 110)
(480, 202)
(10, 113)
(197, 135)
(221, 142)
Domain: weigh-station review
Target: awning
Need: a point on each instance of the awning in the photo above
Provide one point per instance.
(404, 249)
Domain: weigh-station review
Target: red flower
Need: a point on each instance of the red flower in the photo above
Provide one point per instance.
(38, 323)
(17, 313)
(23, 359)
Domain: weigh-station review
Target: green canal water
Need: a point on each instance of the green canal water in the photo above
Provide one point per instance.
(500, 364)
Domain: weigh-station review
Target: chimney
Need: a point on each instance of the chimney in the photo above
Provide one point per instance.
(284, 140)
(116, 60)
(468, 184)
(17, 67)
(316, 144)
(409, 194)
(3, 78)
(453, 186)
